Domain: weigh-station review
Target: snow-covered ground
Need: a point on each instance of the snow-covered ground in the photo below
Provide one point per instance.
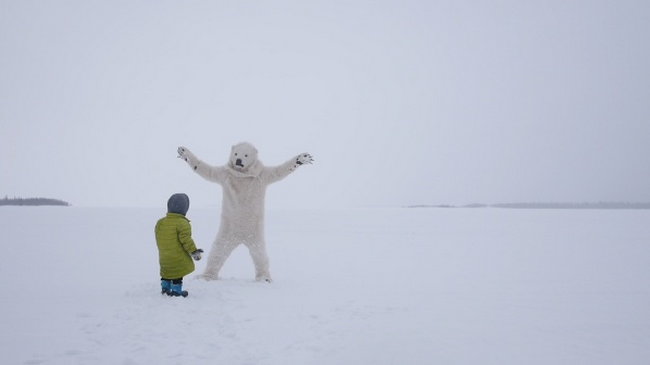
(352, 286)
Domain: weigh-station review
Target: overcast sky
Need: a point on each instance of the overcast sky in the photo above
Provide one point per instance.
(399, 102)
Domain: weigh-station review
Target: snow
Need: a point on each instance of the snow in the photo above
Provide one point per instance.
(352, 286)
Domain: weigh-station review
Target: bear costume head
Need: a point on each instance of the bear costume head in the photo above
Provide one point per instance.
(243, 160)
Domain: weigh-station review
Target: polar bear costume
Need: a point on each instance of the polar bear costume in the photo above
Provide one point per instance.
(244, 180)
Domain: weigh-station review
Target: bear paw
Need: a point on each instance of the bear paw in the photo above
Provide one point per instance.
(264, 279)
(206, 277)
(304, 158)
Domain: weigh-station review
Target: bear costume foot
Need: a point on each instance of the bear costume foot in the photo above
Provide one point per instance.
(206, 277)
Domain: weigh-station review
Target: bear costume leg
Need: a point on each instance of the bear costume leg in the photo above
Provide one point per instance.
(221, 250)
(257, 250)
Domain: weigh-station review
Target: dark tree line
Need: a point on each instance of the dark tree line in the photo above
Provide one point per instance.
(600, 205)
(32, 201)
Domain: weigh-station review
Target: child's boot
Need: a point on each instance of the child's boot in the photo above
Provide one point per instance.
(177, 291)
(166, 286)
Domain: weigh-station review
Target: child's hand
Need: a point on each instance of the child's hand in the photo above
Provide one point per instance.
(196, 255)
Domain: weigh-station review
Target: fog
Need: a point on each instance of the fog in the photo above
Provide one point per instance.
(399, 102)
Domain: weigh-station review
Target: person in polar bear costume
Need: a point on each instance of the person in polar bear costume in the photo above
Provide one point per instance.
(244, 180)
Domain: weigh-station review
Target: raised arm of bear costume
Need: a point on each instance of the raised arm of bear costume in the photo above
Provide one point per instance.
(243, 162)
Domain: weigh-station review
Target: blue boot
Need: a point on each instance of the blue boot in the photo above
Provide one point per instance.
(177, 291)
(166, 286)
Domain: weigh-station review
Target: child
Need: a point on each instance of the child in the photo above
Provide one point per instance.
(176, 248)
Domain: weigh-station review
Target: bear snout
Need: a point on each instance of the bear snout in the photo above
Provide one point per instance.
(239, 163)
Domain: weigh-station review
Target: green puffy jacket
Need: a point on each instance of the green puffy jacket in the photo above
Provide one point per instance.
(175, 243)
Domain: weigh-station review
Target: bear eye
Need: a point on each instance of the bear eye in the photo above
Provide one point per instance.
(245, 155)
(235, 153)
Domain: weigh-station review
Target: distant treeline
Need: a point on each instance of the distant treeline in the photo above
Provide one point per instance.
(32, 201)
(600, 205)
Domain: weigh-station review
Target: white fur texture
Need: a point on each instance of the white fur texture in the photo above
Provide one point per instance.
(244, 180)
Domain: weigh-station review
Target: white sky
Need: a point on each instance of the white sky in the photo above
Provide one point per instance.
(400, 102)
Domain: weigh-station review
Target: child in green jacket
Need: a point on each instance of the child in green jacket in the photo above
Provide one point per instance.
(176, 248)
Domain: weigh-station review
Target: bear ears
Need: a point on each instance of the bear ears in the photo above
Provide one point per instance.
(244, 146)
